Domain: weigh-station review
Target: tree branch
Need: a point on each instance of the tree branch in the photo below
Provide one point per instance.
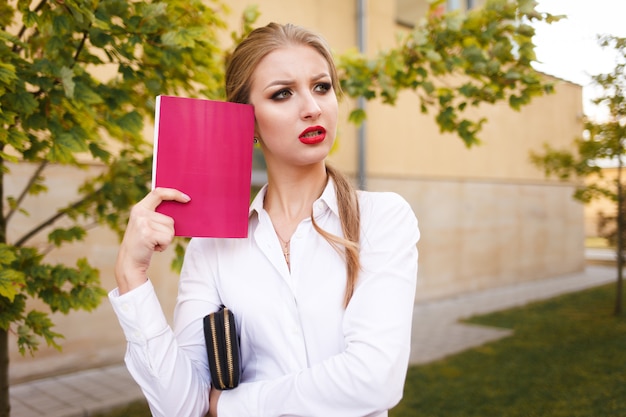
(24, 193)
(53, 219)
(23, 28)
(87, 227)
(80, 47)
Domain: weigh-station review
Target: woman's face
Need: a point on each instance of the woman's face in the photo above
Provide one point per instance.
(295, 106)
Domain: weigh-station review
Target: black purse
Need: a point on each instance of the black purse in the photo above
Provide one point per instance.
(222, 345)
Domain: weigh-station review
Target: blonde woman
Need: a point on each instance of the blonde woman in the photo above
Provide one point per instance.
(323, 287)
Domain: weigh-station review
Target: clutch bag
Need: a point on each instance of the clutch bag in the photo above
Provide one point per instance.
(222, 345)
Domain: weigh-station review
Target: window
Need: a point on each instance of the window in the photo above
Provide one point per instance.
(408, 12)
(453, 5)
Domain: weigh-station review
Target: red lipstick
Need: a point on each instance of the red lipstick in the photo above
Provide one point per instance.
(312, 135)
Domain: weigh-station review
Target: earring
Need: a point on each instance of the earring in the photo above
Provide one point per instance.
(256, 140)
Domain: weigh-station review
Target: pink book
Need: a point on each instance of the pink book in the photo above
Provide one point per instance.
(204, 149)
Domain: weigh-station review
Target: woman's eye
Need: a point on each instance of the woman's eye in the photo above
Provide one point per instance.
(281, 94)
(323, 87)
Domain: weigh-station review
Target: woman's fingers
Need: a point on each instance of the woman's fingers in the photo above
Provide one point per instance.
(152, 200)
(147, 232)
(154, 228)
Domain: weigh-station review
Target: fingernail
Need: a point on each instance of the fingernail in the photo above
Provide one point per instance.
(186, 197)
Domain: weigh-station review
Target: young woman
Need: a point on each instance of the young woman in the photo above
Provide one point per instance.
(323, 287)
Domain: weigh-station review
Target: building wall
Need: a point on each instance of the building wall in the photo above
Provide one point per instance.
(487, 216)
(482, 234)
(601, 206)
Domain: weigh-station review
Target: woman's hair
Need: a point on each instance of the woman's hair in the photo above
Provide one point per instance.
(241, 65)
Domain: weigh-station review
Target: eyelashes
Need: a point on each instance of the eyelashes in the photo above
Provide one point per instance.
(281, 94)
(323, 87)
(284, 93)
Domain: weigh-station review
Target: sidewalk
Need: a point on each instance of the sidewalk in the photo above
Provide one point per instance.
(436, 334)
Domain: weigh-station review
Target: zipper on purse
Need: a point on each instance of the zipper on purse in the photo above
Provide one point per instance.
(229, 352)
(216, 354)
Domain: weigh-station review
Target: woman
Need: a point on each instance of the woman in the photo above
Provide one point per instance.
(323, 287)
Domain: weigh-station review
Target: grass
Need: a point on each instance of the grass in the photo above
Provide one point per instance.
(597, 243)
(135, 409)
(565, 359)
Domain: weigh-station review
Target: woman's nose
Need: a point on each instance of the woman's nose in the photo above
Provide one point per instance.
(310, 107)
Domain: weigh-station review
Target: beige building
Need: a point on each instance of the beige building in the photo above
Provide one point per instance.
(488, 217)
(601, 207)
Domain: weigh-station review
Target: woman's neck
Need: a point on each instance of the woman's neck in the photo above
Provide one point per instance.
(290, 196)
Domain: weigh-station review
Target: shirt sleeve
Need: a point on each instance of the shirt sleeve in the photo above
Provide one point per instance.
(368, 377)
(172, 382)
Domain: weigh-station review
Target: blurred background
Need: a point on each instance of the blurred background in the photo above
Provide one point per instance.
(488, 216)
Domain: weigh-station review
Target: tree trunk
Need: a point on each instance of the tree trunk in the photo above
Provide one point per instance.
(620, 240)
(5, 404)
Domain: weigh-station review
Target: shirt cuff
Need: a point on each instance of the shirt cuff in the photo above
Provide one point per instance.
(240, 401)
(139, 313)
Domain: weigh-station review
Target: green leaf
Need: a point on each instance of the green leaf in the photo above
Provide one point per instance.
(154, 10)
(61, 24)
(54, 45)
(11, 311)
(38, 323)
(131, 122)
(357, 116)
(11, 282)
(86, 95)
(22, 102)
(433, 56)
(60, 153)
(17, 139)
(72, 142)
(6, 14)
(7, 255)
(7, 73)
(67, 81)
(99, 153)
(8, 157)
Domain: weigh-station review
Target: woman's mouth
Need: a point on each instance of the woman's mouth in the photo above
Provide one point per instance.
(313, 135)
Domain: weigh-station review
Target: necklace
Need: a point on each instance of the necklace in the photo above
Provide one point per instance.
(285, 247)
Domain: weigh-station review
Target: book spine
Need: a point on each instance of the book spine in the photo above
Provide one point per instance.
(157, 113)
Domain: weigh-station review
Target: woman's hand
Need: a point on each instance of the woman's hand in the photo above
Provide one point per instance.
(214, 396)
(147, 232)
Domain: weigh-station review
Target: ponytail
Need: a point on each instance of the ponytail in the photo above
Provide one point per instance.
(351, 227)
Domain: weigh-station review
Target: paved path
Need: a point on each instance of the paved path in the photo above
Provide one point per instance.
(437, 332)
(436, 335)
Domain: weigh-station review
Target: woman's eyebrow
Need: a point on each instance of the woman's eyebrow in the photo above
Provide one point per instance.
(280, 83)
(291, 82)
(320, 76)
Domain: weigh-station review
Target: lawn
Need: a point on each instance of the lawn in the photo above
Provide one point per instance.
(565, 359)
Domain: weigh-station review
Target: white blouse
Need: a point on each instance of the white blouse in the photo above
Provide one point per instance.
(302, 352)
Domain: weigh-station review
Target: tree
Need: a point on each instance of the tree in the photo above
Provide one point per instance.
(456, 60)
(602, 141)
(54, 111)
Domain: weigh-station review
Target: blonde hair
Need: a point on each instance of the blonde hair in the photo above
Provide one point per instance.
(241, 66)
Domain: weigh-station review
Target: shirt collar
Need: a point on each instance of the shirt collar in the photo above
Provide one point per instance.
(328, 198)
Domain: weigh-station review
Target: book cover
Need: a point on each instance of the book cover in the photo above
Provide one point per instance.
(204, 149)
